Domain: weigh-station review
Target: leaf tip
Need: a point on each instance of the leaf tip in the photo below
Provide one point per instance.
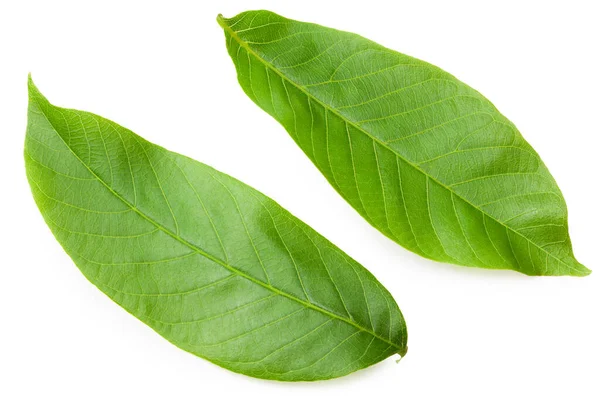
(30, 85)
(34, 92)
(578, 269)
(221, 20)
(585, 271)
(402, 353)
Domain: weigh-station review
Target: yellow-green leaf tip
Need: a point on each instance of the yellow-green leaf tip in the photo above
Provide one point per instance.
(221, 20)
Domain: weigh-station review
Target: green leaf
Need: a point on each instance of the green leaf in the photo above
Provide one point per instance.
(212, 265)
(421, 156)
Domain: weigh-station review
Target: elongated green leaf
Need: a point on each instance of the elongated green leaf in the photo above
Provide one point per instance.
(423, 157)
(214, 266)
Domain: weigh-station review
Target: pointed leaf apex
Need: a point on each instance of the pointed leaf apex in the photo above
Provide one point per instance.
(221, 20)
(30, 85)
(34, 93)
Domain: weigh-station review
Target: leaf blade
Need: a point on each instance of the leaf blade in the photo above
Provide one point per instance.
(209, 263)
(449, 143)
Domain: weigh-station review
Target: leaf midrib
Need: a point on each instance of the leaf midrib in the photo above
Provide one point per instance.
(221, 21)
(222, 263)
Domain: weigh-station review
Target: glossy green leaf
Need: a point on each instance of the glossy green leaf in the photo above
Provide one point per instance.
(421, 156)
(212, 265)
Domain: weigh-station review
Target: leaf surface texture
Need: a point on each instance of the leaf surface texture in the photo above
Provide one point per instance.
(420, 155)
(212, 265)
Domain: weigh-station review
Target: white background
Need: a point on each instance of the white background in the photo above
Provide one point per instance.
(161, 69)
